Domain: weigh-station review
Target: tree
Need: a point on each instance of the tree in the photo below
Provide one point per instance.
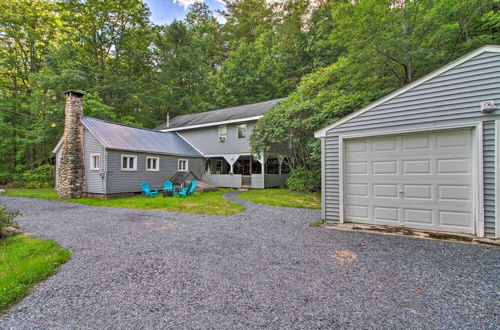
(187, 54)
(246, 20)
(27, 31)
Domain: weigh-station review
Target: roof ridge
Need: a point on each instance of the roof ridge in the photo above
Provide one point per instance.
(124, 125)
(235, 106)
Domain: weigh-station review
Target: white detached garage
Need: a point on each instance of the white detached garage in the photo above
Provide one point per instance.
(425, 156)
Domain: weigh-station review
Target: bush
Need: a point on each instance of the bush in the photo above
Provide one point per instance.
(304, 180)
(39, 177)
(7, 219)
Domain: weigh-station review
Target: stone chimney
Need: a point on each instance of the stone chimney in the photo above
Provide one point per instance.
(71, 172)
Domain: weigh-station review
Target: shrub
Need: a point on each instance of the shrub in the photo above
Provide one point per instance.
(304, 180)
(39, 177)
(7, 219)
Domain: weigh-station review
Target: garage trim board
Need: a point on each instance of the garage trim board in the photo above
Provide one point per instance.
(497, 177)
(476, 195)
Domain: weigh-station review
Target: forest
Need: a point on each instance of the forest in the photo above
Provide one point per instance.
(328, 58)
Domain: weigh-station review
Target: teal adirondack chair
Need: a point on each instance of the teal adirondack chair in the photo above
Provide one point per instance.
(193, 187)
(168, 185)
(189, 190)
(148, 191)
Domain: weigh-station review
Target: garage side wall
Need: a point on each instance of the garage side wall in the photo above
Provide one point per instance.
(450, 98)
(489, 177)
(331, 175)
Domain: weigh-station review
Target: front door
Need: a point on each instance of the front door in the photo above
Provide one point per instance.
(245, 163)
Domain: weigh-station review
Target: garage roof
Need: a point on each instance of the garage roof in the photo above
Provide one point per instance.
(488, 48)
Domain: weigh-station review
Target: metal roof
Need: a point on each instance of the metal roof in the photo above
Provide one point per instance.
(123, 137)
(219, 116)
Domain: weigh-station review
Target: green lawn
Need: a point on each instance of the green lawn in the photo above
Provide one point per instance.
(283, 197)
(202, 203)
(24, 261)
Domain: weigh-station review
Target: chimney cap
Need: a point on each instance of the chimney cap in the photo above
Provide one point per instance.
(70, 91)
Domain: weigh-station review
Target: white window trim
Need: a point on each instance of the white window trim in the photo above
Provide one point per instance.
(157, 164)
(92, 168)
(238, 131)
(129, 169)
(179, 163)
(218, 132)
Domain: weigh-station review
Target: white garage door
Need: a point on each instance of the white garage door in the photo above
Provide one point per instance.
(420, 180)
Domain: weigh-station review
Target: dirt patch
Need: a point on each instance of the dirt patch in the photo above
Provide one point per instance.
(450, 236)
(426, 234)
(344, 257)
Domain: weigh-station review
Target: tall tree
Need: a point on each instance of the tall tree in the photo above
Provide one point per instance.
(27, 31)
(246, 20)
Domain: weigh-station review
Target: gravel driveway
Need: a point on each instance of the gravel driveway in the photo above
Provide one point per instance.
(263, 268)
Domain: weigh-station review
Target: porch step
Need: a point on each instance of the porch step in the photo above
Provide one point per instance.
(246, 181)
(202, 186)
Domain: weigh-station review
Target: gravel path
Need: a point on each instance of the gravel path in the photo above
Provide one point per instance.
(263, 268)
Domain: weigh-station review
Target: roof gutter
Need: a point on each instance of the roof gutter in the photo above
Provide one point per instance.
(210, 124)
(155, 152)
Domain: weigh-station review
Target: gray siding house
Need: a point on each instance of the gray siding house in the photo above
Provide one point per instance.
(425, 156)
(212, 146)
(119, 158)
(223, 138)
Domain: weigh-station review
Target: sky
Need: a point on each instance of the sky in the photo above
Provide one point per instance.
(165, 11)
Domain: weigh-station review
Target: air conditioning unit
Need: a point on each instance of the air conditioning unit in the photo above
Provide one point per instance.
(222, 138)
(488, 106)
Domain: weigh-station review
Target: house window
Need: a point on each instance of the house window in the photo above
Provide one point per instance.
(222, 133)
(129, 163)
(242, 131)
(152, 163)
(95, 162)
(182, 165)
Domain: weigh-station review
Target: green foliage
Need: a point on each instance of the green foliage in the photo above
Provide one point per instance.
(378, 46)
(304, 180)
(38, 177)
(317, 223)
(7, 219)
(26, 261)
(328, 58)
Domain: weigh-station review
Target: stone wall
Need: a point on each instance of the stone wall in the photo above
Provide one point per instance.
(71, 171)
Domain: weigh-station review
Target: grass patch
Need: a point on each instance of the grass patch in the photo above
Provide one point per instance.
(283, 197)
(317, 223)
(24, 261)
(202, 203)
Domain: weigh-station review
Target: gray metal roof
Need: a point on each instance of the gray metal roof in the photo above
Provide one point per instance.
(122, 137)
(221, 115)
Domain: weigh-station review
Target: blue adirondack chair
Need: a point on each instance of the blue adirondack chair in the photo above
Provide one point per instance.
(168, 185)
(189, 190)
(192, 188)
(148, 191)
